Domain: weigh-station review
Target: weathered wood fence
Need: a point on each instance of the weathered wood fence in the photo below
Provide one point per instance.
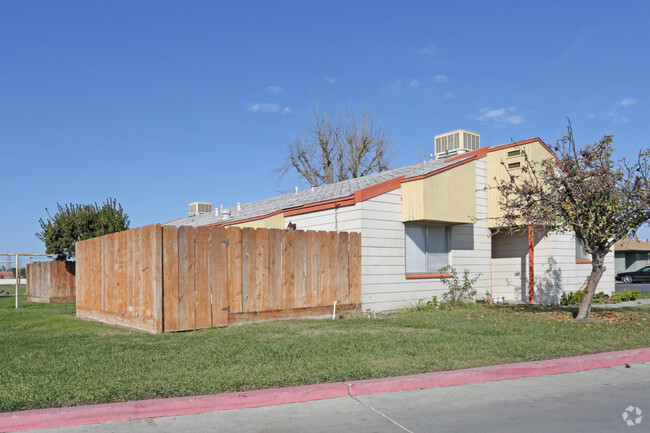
(164, 278)
(51, 282)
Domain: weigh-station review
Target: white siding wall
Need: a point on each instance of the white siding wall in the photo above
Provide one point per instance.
(510, 267)
(472, 243)
(383, 272)
(556, 270)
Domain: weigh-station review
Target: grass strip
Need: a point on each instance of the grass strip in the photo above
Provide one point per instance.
(49, 358)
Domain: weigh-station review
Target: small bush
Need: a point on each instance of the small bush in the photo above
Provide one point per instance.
(626, 295)
(459, 293)
(574, 298)
(428, 306)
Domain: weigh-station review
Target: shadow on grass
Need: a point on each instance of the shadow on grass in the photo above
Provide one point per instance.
(595, 313)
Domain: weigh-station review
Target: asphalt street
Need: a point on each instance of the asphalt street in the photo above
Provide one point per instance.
(615, 399)
(644, 287)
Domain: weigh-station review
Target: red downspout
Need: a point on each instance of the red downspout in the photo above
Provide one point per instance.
(531, 265)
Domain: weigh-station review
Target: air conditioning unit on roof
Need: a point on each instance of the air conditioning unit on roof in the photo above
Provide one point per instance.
(456, 142)
(198, 207)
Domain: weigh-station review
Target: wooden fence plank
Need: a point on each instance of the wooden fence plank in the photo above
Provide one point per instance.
(55, 276)
(333, 263)
(82, 276)
(311, 276)
(235, 295)
(85, 267)
(248, 269)
(202, 277)
(91, 273)
(136, 302)
(156, 278)
(72, 275)
(84, 302)
(355, 267)
(343, 294)
(130, 272)
(323, 269)
(106, 271)
(120, 260)
(262, 270)
(299, 267)
(170, 275)
(147, 271)
(218, 276)
(187, 290)
(287, 269)
(275, 269)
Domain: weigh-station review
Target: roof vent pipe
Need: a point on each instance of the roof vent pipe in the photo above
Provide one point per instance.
(296, 190)
(238, 206)
(226, 214)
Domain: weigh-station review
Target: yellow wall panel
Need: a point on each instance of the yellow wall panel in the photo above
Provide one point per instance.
(497, 172)
(449, 196)
(271, 222)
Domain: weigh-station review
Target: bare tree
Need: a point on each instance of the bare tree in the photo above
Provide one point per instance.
(335, 148)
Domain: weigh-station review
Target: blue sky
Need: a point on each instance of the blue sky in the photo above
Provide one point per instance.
(162, 103)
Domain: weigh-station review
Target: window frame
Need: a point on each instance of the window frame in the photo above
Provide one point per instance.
(424, 273)
(581, 254)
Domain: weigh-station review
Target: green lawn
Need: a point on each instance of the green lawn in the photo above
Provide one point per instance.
(48, 358)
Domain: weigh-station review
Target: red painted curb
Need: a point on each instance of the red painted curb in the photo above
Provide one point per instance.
(68, 416)
(76, 415)
(499, 372)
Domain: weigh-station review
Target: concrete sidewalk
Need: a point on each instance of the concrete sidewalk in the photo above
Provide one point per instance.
(607, 400)
(65, 417)
(635, 303)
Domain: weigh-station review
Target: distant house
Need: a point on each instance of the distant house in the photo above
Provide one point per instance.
(631, 255)
(7, 274)
(414, 220)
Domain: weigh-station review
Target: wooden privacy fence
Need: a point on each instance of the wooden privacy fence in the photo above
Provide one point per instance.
(51, 282)
(165, 278)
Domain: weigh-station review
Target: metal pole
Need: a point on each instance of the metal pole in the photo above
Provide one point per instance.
(16, 280)
(18, 270)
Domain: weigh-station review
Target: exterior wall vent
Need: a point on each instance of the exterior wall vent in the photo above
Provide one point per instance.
(456, 142)
(198, 208)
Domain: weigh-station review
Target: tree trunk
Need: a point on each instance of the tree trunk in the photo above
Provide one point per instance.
(597, 271)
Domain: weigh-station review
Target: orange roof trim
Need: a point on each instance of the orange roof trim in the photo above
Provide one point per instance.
(378, 189)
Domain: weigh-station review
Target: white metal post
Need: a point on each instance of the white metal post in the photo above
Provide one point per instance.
(18, 270)
(16, 280)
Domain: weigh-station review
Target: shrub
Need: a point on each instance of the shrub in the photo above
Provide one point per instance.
(459, 293)
(574, 298)
(428, 306)
(626, 295)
